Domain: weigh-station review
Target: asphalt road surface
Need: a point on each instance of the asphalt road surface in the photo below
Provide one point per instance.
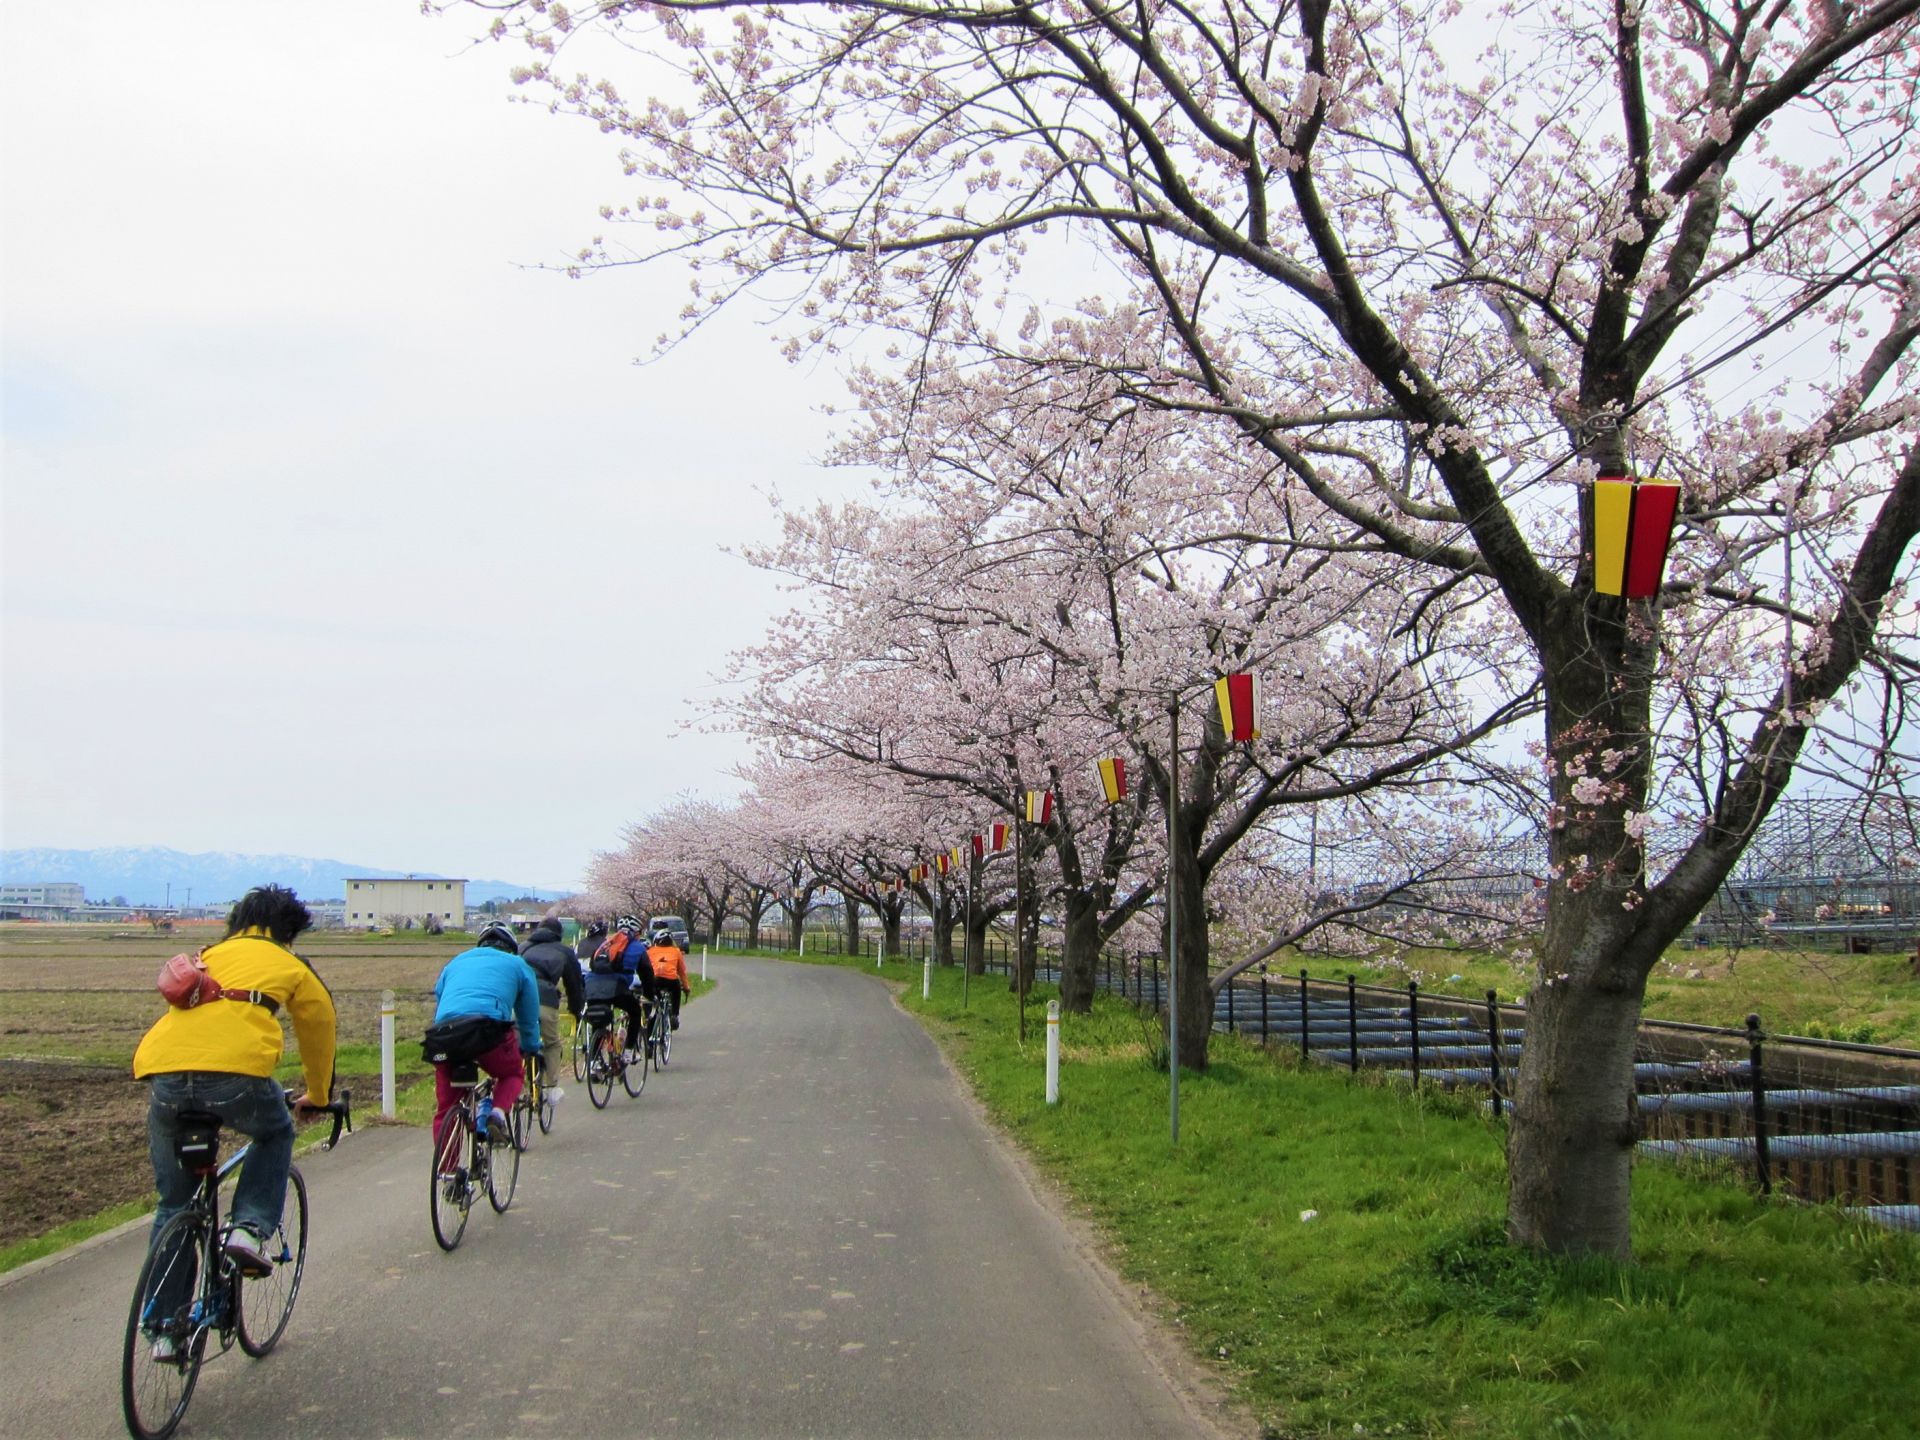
(801, 1229)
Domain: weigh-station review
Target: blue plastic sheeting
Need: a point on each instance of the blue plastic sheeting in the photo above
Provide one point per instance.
(1436, 1055)
(1650, 1071)
(1894, 1217)
(1709, 1101)
(1867, 1145)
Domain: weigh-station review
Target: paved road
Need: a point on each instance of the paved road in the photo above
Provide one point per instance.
(800, 1230)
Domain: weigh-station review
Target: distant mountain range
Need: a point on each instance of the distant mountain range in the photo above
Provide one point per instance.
(152, 875)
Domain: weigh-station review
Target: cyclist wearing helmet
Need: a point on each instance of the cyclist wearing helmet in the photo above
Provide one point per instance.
(488, 982)
(669, 967)
(618, 968)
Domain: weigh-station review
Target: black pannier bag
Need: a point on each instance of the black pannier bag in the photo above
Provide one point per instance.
(464, 1037)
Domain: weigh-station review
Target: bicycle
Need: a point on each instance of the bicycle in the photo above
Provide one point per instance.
(577, 1047)
(190, 1290)
(606, 1060)
(534, 1104)
(660, 1032)
(488, 1165)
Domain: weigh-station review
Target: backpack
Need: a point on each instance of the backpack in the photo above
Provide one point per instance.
(186, 983)
(606, 960)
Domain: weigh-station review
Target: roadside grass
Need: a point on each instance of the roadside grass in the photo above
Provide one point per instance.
(25, 1252)
(1398, 1308)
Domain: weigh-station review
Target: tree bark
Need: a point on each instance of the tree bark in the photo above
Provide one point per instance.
(850, 922)
(1080, 952)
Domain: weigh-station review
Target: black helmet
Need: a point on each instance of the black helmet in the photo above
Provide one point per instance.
(498, 937)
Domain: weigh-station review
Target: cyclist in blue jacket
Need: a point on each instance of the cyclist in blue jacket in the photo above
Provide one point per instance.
(489, 981)
(617, 969)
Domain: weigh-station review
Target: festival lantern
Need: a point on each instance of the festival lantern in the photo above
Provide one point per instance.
(1632, 532)
(1238, 697)
(998, 836)
(1039, 807)
(1113, 779)
(941, 861)
(979, 847)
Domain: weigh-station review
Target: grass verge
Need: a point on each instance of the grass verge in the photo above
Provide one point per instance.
(1335, 1246)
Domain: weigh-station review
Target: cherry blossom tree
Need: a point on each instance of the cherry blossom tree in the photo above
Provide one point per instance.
(1438, 267)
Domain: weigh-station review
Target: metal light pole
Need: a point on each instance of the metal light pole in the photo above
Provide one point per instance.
(1173, 929)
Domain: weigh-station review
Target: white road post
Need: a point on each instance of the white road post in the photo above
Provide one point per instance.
(386, 1053)
(926, 977)
(1053, 1052)
(703, 962)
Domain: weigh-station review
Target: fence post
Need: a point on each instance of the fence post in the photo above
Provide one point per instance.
(386, 1053)
(1229, 1007)
(1413, 1019)
(1053, 1052)
(1759, 1082)
(1303, 1012)
(1156, 984)
(1353, 1028)
(1493, 1042)
(1263, 1007)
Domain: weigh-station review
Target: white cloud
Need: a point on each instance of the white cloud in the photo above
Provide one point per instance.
(313, 489)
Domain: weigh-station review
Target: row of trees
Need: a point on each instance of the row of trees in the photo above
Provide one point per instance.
(1290, 338)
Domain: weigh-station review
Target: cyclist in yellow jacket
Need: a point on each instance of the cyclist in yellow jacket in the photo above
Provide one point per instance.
(220, 1057)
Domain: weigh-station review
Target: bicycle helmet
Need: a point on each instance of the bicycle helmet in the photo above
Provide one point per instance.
(630, 923)
(498, 937)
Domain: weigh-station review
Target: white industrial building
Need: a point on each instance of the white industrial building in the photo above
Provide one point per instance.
(378, 902)
(52, 892)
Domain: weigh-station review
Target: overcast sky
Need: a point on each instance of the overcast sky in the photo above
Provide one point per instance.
(331, 527)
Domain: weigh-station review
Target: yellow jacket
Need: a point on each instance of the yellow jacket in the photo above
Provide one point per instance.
(237, 1037)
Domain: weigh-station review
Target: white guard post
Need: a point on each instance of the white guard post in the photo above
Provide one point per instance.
(1053, 1052)
(926, 977)
(703, 962)
(386, 1053)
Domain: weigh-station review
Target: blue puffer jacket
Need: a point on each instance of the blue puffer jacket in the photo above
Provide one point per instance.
(489, 982)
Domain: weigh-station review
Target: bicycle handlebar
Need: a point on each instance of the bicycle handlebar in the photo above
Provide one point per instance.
(341, 1110)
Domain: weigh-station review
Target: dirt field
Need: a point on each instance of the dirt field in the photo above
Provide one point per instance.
(75, 1000)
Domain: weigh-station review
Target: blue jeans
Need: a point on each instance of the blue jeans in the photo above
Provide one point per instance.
(251, 1104)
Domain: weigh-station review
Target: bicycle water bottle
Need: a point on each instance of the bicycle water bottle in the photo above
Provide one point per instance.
(484, 1119)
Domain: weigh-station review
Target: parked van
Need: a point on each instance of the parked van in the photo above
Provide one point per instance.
(676, 925)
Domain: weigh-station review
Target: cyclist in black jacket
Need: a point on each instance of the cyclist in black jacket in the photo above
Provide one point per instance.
(555, 968)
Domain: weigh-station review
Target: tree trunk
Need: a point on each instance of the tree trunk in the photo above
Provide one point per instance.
(977, 942)
(1571, 1142)
(890, 928)
(1193, 981)
(850, 922)
(797, 932)
(1080, 953)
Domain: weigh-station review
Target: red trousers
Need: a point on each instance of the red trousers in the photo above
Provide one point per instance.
(502, 1063)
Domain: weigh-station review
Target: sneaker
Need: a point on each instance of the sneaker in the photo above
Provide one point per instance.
(556, 1094)
(165, 1352)
(499, 1131)
(249, 1252)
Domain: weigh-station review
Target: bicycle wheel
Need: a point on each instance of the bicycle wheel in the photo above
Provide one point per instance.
(579, 1048)
(545, 1112)
(600, 1068)
(266, 1304)
(634, 1076)
(503, 1172)
(664, 1047)
(154, 1393)
(520, 1122)
(451, 1195)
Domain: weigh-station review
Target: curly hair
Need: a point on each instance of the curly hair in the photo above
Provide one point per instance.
(272, 908)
